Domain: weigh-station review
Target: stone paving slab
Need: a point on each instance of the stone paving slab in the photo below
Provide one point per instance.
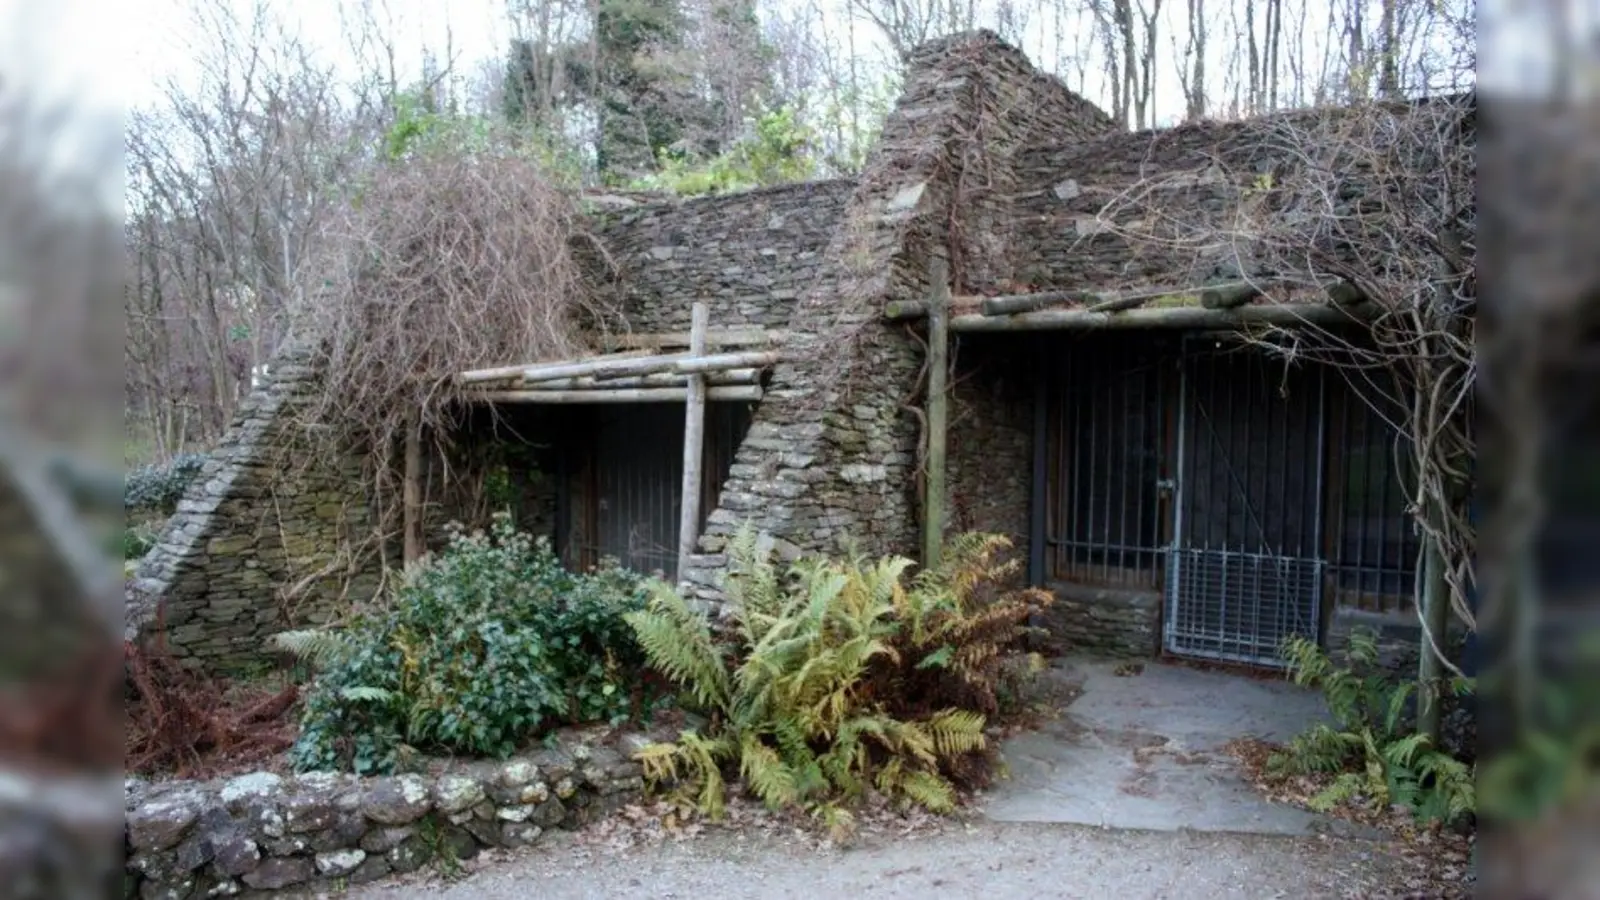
(1145, 751)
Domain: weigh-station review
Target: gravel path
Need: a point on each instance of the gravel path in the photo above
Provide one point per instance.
(966, 860)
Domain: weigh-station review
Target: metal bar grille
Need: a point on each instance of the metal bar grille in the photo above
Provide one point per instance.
(638, 477)
(1245, 569)
(1240, 607)
(1103, 461)
(1375, 546)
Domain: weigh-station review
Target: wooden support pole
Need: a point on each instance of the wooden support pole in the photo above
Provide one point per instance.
(1287, 315)
(1433, 602)
(748, 393)
(411, 493)
(679, 363)
(938, 411)
(694, 427)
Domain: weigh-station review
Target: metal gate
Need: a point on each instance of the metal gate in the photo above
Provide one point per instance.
(636, 479)
(1245, 568)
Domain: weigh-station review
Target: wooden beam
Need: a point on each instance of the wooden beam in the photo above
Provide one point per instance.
(604, 367)
(694, 427)
(678, 363)
(736, 392)
(1007, 304)
(1289, 315)
(514, 373)
(938, 413)
(721, 362)
(658, 379)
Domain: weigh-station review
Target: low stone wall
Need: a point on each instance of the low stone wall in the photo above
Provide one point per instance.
(1102, 620)
(58, 835)
(261, 832)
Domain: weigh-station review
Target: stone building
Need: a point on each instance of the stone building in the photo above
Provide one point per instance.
(1177, 494)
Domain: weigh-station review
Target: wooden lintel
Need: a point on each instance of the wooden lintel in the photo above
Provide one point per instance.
(1285, 315)
(738, 392)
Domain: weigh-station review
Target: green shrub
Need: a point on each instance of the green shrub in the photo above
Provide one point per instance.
(159, 486)
(482, 647)
(1372, 749)
(136, 538)
(808, 696)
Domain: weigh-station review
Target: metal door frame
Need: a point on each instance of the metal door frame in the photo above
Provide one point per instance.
(1176, 640)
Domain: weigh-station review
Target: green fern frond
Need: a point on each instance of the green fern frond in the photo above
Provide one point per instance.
(928, 791)
(321, 648)
(955, 732)
(764, 770)
(679, 644)
(366, 694)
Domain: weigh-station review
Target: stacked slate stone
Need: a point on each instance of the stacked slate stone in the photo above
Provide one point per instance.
(263, 832)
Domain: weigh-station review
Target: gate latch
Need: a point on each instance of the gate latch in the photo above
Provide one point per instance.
(1166, 485)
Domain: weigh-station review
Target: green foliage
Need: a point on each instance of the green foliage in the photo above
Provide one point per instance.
(801, 691)
(776, 151)
(1377, 757)
(158, 487)
(136, 538)
(483, 646)
(1554, 762)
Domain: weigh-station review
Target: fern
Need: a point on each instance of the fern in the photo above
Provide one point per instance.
(810, 702)
(1376, 760)
(319, 648)
(366, 694)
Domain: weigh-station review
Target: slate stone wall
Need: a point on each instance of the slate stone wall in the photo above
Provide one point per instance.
(1103, 621)
(255, 546)
(750, 255)
(1126, 209)
(989, 462)
(833, 451)
(259, 833)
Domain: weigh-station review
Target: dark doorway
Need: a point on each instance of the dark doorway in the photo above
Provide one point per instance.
(630, 478)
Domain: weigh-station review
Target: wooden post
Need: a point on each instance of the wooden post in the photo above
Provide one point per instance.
(411, 492)
(1434, 605)
(938, 371)
(694, 426)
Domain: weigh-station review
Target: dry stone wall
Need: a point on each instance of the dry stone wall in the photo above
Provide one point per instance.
(260, 833)
(1175, 206)
(990, 455)
(832, 453)
(261, 541)
(750, 255)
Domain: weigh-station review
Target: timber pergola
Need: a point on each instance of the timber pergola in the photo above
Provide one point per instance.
(639, 369)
